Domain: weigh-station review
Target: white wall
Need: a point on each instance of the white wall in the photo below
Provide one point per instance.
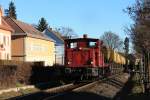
(59, 54)
(6, 42)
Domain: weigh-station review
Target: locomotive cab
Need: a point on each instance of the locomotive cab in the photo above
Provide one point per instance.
(84, 56)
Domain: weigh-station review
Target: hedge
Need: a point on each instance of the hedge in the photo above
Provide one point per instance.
(13, 72)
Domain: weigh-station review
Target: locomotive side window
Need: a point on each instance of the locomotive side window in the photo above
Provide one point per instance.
(73, 45)
(92, 44)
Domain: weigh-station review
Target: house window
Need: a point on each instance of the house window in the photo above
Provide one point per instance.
(0, 55)
(36, 47)
(7, 56)
(8, 41)
(4, 39)
(0, 20)
(1, 39)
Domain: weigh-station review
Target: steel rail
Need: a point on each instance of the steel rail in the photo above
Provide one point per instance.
(82, 87)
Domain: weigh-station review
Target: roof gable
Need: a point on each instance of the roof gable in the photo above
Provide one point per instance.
(55, 36)
(1, 11)
(26, 29)
(4, 25)
(16, 28)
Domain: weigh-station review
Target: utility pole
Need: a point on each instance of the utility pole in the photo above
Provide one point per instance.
(126, 49)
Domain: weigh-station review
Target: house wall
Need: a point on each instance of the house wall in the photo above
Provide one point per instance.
(39, 50)
(59, 45)
(1, 14)
(18, 48)
(5, 45)
(59, 54)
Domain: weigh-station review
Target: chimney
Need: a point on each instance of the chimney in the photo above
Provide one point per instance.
(84, 35)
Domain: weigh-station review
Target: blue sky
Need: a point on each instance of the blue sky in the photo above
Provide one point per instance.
(93, 17)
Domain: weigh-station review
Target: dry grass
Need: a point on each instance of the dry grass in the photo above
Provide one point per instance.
(137, 86)
(19, 93)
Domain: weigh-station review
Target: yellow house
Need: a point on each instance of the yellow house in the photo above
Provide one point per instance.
(5, 38)
(28, 44)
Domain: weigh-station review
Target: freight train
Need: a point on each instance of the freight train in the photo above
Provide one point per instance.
(87, 58)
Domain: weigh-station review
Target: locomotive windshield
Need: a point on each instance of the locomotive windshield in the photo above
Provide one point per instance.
(92, 44)
(82, 43)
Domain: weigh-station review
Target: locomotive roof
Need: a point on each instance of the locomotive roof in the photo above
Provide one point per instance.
(81, 39)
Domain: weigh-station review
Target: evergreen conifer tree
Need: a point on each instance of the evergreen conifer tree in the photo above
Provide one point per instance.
(11, 11)
(42, 25)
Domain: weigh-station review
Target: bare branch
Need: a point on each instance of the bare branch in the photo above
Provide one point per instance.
(111, 40)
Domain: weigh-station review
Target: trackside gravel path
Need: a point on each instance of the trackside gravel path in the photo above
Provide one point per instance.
(105, 90)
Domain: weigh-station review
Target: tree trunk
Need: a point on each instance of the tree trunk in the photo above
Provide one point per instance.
(147, 72)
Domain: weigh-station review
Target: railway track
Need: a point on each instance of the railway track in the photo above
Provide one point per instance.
(58, 91)
(48, 92)
(81, 88)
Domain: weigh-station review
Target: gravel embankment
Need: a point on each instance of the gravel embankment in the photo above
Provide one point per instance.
(110, 87)
(103, 90)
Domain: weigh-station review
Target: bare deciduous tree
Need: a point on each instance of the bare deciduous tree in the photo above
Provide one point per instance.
(140, 34)
(112, 41)
(140, 30)
(126, 49)
(66, 32)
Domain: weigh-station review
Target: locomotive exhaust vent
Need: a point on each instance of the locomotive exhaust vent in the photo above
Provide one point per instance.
(84, 35)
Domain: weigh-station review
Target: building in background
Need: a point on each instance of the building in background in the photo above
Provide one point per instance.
(147, 3)
(59, 45)
(5, 38)
(28, 44)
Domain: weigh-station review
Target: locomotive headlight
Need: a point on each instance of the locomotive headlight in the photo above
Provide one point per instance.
(80, 48)
(69, 62)
(91, 62)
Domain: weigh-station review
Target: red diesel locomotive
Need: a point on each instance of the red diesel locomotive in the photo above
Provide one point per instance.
(84, 58)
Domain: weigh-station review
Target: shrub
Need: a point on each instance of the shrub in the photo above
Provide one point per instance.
(13, 72)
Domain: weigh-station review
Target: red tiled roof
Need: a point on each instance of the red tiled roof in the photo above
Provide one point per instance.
(27, 29)
(4, 25)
